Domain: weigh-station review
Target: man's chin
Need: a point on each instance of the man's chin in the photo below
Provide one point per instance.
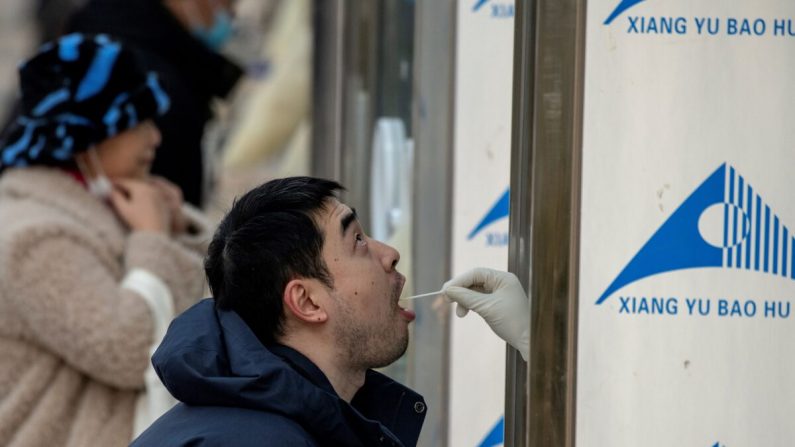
(396, 351)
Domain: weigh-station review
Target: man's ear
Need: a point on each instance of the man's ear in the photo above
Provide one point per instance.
(301, 300)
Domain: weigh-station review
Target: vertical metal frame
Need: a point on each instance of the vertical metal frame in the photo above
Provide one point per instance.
(344, 77)
(519, 246)
(432, 110)
(362, 37)
(396, 22)
(544, 223)
(327, 88)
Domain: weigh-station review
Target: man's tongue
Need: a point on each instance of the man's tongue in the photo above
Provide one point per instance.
(409, 315)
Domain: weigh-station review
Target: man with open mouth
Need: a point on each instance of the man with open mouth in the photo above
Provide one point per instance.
(305, 305)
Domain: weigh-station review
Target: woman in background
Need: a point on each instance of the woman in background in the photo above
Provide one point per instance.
(96, 256)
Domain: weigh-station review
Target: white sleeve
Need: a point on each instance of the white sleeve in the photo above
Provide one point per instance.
(155, 400)
(156, 294)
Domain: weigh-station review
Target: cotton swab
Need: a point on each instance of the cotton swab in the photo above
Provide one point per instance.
(438, 292)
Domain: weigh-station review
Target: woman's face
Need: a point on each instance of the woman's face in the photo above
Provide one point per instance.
(130, 154)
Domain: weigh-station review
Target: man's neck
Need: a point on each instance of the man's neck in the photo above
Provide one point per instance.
(346, 381)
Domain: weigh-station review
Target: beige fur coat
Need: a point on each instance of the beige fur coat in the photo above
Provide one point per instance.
(74, 341)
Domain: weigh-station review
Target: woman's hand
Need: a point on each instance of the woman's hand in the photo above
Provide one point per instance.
(173, 197)
(141, 206)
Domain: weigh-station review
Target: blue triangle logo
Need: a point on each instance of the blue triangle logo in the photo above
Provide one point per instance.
(751, 237)
(479, 5)
(623, 6)
(496, 436)
(498, 211)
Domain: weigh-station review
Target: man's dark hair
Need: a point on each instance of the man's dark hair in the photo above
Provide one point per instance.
(267, 239)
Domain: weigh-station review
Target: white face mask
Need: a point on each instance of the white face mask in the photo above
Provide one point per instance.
(98, 183)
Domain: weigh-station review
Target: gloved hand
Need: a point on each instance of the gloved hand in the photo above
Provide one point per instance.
(499, 298)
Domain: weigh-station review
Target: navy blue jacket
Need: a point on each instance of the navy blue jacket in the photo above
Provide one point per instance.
(236, 392)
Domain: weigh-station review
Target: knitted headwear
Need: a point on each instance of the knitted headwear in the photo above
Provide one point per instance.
(76, 92)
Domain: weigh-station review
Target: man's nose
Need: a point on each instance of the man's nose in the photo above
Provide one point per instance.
(389, 256)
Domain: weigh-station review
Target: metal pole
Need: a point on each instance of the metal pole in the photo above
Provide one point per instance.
(346, 39)
(432, 111)
(327, 88)
(544, 225)
(519, 222)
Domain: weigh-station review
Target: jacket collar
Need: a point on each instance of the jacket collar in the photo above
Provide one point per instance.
(210, 357)
(399, 409)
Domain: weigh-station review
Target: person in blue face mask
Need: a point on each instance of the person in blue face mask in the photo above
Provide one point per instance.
(213, 27)
(180, 40)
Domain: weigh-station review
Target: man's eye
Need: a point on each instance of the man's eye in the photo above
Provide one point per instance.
(360, 239)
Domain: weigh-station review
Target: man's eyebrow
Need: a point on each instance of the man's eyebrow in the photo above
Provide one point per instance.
(348, 220)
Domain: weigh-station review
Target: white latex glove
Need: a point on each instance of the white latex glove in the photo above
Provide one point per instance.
(499, 298)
